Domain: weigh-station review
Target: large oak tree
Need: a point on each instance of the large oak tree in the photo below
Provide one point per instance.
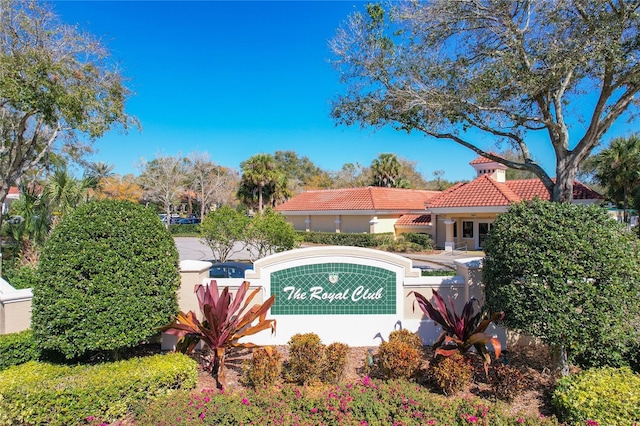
(58, 89)
(506, 71)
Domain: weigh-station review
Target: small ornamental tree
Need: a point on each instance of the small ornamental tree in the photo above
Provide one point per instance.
(569, 275)
(223, 230)
(269, 233)
(107, 278)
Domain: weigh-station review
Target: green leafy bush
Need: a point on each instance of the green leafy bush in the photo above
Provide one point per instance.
(17, 348)
(607, 395)
(264, 367)
(423, 240)
(185, 229)
(334, 362)
(19, 276)
(451, 373)
(398, 359)
(306, 353)
(567, 274)
(41, 393)
(345, 239)
(108, 277)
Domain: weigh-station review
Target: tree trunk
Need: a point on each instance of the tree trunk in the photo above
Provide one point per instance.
(217, 371)
(560, 360)
(566, 171)
(260, 198)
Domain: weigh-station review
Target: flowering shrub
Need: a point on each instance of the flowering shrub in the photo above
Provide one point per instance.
(366, 402)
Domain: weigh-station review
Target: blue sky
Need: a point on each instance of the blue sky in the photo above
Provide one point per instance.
(234, 79)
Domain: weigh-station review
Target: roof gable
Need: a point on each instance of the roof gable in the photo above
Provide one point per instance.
(480, 192)
(365, 198)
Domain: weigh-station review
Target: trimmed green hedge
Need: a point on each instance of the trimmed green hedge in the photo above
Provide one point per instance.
(185, 229)
(17, 348)
(42, 393)
(609, 396)
(108, 276)
(345, 239)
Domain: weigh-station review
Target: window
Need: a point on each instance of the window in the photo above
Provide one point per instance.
(467, 229)
(455, 229)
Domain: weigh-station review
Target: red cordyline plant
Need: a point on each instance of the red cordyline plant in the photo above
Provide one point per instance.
(226, 320)
(459, 333)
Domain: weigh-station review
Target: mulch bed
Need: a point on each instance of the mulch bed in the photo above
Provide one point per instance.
(533, 361)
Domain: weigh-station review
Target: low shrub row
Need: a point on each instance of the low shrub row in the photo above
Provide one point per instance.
(43, 393)
(366, 402)
(184, 229)
(600, 396)
(17, 348)
(345, 239)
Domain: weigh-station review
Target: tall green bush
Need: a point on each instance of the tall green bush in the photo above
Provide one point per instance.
(567, 274)
(108, 277)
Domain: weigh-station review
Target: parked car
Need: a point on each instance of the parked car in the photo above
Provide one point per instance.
(229, 270)
(187, 220)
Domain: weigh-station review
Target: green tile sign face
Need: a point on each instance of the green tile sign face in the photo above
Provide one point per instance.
(333, 289)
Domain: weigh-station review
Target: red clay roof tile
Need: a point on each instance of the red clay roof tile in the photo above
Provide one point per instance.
(368, 198)
(486, 192)
(414, 220)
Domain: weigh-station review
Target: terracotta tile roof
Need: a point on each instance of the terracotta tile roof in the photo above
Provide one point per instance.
(414, 220)
(367, 198)
(482, 160)
(486, 192)
(480, 192)
(13, 190)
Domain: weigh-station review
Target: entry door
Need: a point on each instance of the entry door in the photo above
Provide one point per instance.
(483, 231)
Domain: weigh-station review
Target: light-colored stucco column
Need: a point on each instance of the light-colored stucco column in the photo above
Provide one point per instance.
(449, 243)
(372, 224)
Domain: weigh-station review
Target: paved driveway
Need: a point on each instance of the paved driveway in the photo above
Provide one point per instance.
(191, 248)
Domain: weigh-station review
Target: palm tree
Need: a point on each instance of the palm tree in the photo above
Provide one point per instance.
(63, 193)
(258, 173)
(386, 170)
(617, 169)
(98, 172)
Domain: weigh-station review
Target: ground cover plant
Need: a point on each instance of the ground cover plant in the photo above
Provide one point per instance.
(603, 396)
(365, 402)
(37, 393)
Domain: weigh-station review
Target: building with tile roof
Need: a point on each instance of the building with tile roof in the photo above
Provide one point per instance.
(14, 194)
(460, 216)
(355, 210)
(466, 211)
